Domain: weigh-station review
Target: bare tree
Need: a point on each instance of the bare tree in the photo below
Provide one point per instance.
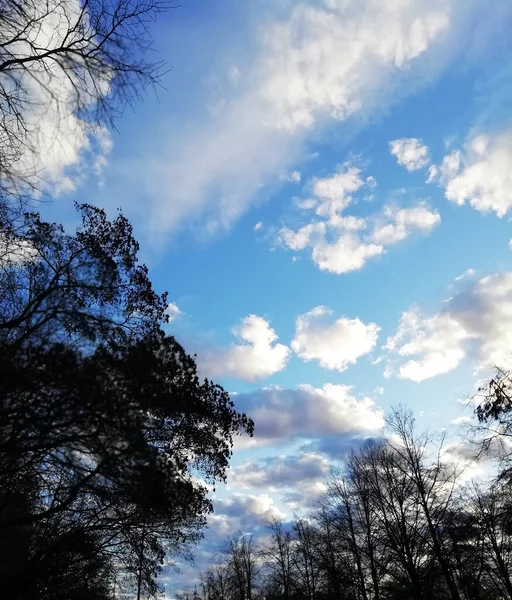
(68, 59)
(491, 511)
(397, 523)
(398, 514)
(304, 556)
(242, 563)
(216, 581)
(433, 484)
(278, 556)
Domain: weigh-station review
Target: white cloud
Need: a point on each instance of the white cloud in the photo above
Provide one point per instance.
(257, 357)
(258, 226)
(295, 83)
(347, 253)
(336, 240)
(396, 224)
(480, 174)
(334, 193)
(410, 153)
(438, 340)
(304, 77)
(461, 420)
(335, 345)
(467, 273)
(305, 497)
(308, 412)
(172, 311)
(244, 512)
(470, 450)
(293, 177)
(433, 172)
(309, 235)
(476, 322)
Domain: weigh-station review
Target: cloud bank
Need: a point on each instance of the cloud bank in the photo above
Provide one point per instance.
(476, 323)
(283, 415)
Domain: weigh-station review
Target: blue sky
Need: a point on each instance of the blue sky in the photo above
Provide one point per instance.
(324, 188)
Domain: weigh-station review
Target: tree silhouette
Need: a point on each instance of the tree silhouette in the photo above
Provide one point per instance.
(397, 522)
(102, 412)
(82, 60)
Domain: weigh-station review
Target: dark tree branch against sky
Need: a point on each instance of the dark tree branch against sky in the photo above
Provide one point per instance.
(68, 68)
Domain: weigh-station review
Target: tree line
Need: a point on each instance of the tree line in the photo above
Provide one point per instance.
(108, 435)
(400, 520)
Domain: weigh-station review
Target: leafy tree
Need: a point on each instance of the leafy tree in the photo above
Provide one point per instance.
(105, 424)
(86, 287)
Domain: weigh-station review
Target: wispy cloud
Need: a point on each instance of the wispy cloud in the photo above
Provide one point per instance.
(294, 84)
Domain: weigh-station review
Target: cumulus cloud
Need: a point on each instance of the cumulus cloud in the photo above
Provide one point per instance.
(333, 194)
(479, 174)
(293, 84)
(334, 344)
(338, 241)
(172, 311)
(476, 322)
(308, 412)
(281, 471)
(257, 357)
(245, 512)
(395, 224)
(347, 253)
(410, 153)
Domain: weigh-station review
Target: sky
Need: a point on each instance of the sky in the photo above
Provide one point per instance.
(324, 188)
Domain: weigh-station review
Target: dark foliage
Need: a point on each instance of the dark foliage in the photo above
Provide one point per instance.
(103, 418)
